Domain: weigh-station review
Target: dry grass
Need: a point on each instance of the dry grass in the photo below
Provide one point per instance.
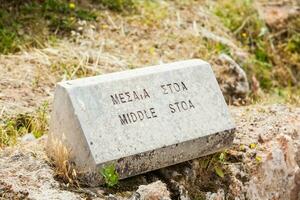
(117, 42)
(64, 169)
(160, 32)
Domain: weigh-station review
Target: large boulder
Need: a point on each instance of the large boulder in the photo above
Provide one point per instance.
(231, 78)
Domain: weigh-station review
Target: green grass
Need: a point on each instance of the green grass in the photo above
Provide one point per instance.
(14, 127)
(293, 43)
(26, 24)
(274, 61)
(286, 95)
(31, 23)
(242, 19)
(215, 163)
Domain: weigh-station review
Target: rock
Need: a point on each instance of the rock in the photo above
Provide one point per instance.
(153, 191)
(277, 170)
(183, 193)
(28, 137)
(178, 176)
(231, 78)
(220, 195)
(28, 175)
(295, 193)
(168, 114)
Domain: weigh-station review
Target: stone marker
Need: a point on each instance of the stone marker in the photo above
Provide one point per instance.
(143, 119)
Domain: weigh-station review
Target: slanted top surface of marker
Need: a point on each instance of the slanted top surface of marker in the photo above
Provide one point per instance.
(127, 113)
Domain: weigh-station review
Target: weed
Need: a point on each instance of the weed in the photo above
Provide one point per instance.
(288, 95)
(222, 48)
(219, 171)
(71, 70)
(12, 128)
(60, 158)
(8, 40)
(110, 175)
(39, 123)
(216, 162)
(275, 55)
(236, 15)
(208, 49)
(29, 23)
(293, 44)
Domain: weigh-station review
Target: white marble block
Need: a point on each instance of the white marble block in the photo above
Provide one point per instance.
(142, 119)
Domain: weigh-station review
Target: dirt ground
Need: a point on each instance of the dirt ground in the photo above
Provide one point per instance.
(115, 43)
(261, 164)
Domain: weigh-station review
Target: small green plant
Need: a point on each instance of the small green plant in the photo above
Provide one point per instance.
(215, 162)
(110, 175)
(219, 162)
(293, 44)
(222, 48)
(14, 127)
(39, 123)
(8, 40)
(219, 171)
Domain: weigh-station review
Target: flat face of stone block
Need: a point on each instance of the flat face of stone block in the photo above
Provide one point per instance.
(133, 116)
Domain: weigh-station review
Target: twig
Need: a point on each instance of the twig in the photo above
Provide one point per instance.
(111, 21)
(195, 27)
(122, 29)
(2, 111)
(278, 34)
(242, 26)
(77, 68)
(178, 19)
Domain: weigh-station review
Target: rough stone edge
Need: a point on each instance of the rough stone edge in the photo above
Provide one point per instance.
(171, 155)
(64, 124)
